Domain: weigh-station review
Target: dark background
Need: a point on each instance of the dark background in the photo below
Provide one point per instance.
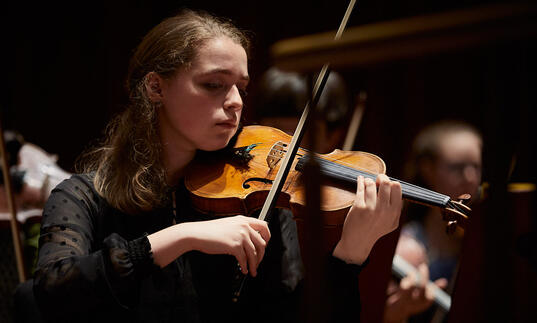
(64, 67)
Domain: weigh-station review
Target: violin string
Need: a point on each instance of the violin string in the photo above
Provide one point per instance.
(420, 194)
(341, 162)
(456, 207)
(412, 190)
(349, 174)
(409, 190)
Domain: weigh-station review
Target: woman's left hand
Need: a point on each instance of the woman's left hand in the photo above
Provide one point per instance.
(371, 216)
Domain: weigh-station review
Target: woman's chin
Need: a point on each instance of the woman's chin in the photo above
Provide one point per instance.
(215, 145)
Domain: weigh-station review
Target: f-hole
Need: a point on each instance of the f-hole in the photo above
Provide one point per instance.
(256, 179)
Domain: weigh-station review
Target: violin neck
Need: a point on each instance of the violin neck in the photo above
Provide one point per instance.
(411, 192)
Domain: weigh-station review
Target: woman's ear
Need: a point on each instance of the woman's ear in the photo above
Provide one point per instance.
(153, 86)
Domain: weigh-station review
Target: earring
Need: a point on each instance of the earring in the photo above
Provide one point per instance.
(155, 88)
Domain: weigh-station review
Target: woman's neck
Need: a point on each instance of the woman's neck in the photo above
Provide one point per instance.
(175, 162)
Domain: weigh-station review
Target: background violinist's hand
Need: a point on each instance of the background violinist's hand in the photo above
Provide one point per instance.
(243, 237)
(371, 216)
(412, 296)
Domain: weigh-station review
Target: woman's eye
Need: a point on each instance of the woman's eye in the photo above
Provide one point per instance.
(243, 93)
(213, 85)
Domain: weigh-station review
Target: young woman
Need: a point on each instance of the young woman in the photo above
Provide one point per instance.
(121, 242)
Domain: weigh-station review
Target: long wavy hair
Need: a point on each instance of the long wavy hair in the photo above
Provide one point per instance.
(128, 168)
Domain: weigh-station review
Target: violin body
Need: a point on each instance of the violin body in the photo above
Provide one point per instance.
(224, 188)
(221, 188)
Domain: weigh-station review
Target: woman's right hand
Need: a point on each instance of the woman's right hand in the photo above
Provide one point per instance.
(243, 237)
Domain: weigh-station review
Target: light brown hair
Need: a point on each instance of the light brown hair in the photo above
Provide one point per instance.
(128, 169)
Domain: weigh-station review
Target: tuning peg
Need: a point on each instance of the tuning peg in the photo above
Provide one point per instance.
(464, 198)
(451, 227)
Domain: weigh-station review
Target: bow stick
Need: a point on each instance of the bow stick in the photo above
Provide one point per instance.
(17, 244)
(281, 176)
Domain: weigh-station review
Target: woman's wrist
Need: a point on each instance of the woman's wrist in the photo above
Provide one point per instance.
(352, 253)
(170, 243)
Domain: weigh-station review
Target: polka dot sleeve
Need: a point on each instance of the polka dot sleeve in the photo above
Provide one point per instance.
(78, 267)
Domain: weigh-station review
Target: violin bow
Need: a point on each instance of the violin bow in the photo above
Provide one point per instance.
(356, 120)
(301, 129)
(17, 244)
(281, 176)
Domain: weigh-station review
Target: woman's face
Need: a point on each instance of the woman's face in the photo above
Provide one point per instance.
(202, 104)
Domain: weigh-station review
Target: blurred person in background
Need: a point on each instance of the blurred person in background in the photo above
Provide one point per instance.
(281, 96)
(446, 158)
(34, 172)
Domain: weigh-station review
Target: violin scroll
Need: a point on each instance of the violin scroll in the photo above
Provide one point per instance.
(456, 213)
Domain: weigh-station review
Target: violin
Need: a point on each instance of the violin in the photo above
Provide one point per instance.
(240, 184)
(264, 171)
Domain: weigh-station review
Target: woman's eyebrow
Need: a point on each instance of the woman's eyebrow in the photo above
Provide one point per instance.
(225, 72)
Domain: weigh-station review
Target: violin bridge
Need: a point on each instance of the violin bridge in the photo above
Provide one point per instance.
(276, 154)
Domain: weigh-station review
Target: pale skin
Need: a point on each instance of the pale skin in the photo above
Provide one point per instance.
(200, 107)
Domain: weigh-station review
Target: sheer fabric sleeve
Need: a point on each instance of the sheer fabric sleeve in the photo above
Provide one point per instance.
(343, 289)
(75, 271)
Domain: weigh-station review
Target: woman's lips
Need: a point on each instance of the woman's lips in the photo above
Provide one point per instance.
(227, 124)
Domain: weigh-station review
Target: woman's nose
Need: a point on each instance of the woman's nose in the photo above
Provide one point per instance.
(233, 99)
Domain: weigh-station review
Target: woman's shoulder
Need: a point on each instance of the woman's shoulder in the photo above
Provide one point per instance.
(80, 186)
(81, 180)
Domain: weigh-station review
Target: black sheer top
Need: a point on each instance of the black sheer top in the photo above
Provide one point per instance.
(95, 265)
